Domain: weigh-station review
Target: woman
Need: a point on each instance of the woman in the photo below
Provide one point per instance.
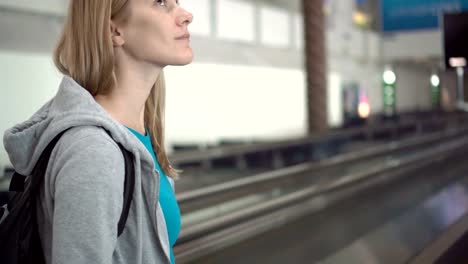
(112, 54)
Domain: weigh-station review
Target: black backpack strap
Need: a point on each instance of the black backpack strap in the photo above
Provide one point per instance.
(40, 168)
(129, 185)
(19, 181)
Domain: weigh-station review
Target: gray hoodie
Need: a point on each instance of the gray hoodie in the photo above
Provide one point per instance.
(81, 199)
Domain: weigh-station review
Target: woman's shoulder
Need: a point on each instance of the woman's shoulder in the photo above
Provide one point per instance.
(87, 145)
(88, 157)
(87, 136)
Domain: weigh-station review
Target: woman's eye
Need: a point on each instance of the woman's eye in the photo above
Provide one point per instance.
(164, 2)
(161, 2)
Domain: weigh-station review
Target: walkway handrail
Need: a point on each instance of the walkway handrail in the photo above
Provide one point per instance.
(341, 159)
(228, 224)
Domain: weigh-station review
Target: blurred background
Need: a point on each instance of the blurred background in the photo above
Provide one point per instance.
(248, 79)
(308, 113)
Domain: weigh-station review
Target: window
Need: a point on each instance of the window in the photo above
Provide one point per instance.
(298, 31)
(236, 20)
(202, 19)
(275, 27)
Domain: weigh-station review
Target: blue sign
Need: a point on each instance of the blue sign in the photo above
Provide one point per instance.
(398, 15)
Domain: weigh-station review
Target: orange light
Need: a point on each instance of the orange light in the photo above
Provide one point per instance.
(360, 18)
(364, 109)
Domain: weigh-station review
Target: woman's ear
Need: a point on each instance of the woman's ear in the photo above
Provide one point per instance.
(116, 35)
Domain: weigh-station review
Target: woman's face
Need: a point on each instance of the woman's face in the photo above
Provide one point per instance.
(156, 31)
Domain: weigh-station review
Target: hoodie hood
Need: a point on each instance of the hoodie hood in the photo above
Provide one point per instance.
(72, 106)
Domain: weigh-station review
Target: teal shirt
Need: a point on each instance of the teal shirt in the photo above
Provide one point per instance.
(167, 197)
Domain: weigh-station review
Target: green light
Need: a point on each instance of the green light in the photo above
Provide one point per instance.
(389, 77)
(389, 90)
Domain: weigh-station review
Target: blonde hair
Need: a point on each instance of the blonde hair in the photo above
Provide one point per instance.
(85, 53)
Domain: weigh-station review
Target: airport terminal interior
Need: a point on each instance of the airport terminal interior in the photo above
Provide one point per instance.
(306, 131)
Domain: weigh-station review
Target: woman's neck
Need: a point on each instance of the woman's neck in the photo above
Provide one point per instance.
(126, 101)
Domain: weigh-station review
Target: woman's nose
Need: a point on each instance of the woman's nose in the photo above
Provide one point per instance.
(185, 17)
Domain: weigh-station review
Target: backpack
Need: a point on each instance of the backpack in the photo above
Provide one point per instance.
(19, 236)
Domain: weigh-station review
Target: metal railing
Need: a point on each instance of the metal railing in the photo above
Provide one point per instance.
(339, 160)
(235, 226)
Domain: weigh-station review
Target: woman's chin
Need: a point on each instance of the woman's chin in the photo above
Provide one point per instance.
(184, 60)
